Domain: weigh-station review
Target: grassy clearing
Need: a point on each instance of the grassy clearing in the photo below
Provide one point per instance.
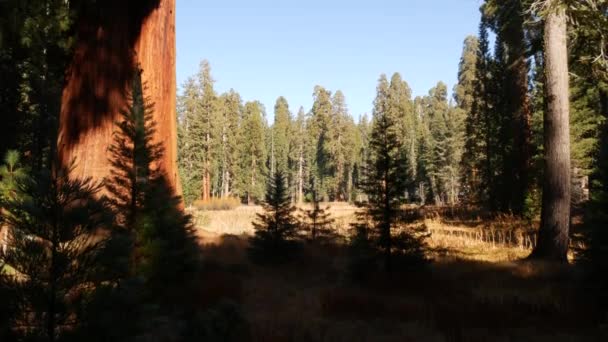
(475, 290)
(501, 239)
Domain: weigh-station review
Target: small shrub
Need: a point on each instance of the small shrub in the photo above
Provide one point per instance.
(217, 203)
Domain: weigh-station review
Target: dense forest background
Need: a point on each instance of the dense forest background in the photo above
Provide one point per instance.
(483, 146)
(119, 258)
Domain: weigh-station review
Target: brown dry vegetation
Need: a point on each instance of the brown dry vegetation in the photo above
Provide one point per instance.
(477, 289)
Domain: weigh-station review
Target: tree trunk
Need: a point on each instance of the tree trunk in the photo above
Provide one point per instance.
(555, 216)
(113, 39)
(252, 187)
(301, 175)
(518, 167)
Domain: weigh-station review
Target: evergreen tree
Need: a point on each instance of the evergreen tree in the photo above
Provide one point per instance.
(384, 175)
(35, 47)
(470, 98)
(320, 135)
(363, 133)
(464, 91)
(276, 229)
(317, 221)
(163, 250)
(207, 128)
(12, 173)
(353, 146)
(189, 143)
(400, 104)
(280, 135)
(507, 19)
(298, 144)
(338, 148)
(440, 147)
(230, 104)
(253, 153)
(59, 234)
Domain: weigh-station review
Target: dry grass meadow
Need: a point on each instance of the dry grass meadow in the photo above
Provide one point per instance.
(476, 289)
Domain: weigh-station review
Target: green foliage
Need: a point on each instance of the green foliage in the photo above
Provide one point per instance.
(12, 173)
(280, 136)
(297, 155)
(201, 131)
(230, 106)
(384, 180)
(319, 131)
(188, 147)
(441, 148)
(59, 233)
(276, 230)
(35, 48)
(253, 153)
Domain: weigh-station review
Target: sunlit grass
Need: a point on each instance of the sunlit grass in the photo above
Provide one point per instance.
(503, 239)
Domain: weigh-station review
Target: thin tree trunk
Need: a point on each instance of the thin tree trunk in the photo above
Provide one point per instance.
(249, 199)
(555, 216)
(301, 175)
(206, 175)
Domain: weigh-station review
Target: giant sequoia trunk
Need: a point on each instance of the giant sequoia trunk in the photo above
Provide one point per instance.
(113, 39)
(555, 217)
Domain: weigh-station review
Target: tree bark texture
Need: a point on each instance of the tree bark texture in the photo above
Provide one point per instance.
(114, 38)
(553, 237)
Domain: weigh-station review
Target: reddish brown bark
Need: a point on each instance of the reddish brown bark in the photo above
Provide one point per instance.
(113, 39)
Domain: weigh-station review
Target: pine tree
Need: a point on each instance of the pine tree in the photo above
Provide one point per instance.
(338, 148)
(507, 20)
(353, 147)
(35, 46)
(59, 232)
(207, 127)
(440, 146)
(253, 153)
(189, 143)
(363, 133)
(163, 250)
(319, 133)
(280, 135)
(401, 106)
(464, 91)
(384, 181)
(298, 144)
(230, 104)
(470, 98)
(276, 229)
(12, 173)
(317, 221)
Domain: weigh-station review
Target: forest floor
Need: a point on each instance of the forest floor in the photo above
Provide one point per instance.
(477, 288)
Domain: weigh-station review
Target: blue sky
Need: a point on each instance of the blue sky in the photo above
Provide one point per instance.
(265, 49)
